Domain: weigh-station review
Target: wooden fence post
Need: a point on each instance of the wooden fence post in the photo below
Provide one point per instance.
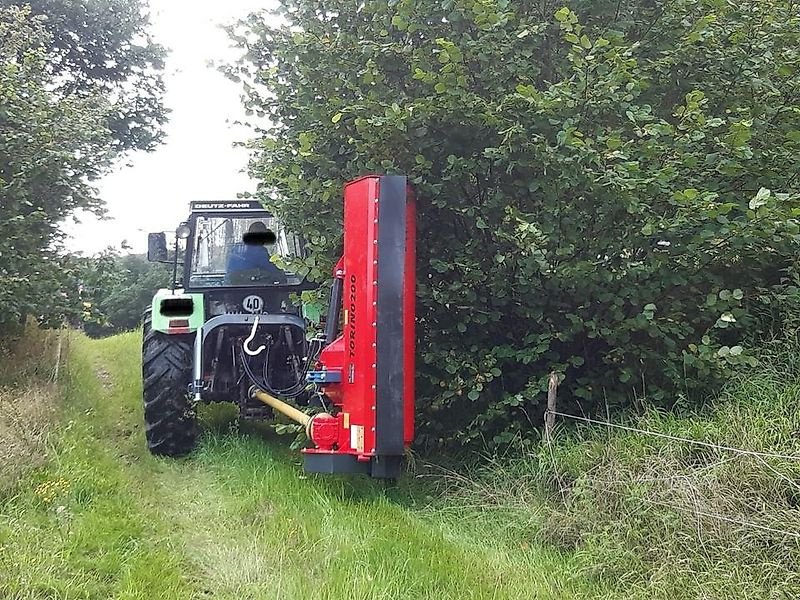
(550, 417)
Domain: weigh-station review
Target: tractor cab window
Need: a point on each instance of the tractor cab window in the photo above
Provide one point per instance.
(220, 256)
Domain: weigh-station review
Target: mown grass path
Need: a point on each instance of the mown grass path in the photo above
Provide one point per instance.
(237, 519)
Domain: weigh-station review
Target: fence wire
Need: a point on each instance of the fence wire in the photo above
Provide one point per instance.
(676, 438)
(696, 511)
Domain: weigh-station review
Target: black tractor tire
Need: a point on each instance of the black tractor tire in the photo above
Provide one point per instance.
(169, 417)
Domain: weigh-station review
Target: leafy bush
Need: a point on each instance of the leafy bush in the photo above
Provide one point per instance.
(117, 289)
(609, 191)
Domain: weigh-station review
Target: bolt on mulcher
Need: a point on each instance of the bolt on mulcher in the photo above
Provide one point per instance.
(231, 333)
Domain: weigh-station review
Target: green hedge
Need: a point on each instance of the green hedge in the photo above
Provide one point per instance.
(609, 190)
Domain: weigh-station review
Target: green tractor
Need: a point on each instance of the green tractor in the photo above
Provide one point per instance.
(231, 331)
(198, 337)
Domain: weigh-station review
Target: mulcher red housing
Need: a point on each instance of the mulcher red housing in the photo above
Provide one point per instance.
(367, 369)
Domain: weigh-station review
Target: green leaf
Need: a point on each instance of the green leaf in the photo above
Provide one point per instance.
(336, 118)
(760, 199)
(563, 14)
(399, 22)
(312, 312)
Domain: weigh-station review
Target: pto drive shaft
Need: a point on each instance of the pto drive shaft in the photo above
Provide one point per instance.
(298, 416)
(321, 428)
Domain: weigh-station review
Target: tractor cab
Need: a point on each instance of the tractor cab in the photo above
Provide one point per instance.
(236, 254)
(238, 244)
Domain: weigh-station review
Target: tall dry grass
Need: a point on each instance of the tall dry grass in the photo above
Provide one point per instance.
(29, 371)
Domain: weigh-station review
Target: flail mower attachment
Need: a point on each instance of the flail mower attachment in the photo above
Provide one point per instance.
(365, 372)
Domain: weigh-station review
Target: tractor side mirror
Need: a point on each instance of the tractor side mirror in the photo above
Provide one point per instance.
(157, 247)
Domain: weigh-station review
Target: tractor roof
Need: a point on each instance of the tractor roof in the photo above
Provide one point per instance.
(227, 206)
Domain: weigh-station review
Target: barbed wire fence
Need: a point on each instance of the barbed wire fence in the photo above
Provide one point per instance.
(675, 438)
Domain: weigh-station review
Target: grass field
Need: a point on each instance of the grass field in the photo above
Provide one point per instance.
(238, 519)
(86, 512)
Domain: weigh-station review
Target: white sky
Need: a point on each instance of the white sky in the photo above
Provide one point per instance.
(197, 160)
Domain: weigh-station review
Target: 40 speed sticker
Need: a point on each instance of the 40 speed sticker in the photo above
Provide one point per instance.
(253, 304)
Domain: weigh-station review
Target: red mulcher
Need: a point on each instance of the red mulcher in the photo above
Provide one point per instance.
(366, 371)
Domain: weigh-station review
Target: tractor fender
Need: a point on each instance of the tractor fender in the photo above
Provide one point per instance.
(177, 312)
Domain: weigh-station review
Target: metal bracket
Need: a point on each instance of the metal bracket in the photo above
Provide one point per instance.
(220, 321)
(326, 376)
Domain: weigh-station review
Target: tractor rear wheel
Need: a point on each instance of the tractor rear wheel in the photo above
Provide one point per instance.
(170, 419)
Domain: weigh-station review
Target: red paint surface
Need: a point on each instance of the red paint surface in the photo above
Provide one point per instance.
(325, 431)
(354, 352)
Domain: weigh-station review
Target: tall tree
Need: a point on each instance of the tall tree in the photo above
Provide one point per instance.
(61, 127)
(105, 48)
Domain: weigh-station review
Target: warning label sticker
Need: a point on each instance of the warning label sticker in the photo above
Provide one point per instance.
(357, 437)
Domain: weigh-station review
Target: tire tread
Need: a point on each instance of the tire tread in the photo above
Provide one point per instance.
(170, 419)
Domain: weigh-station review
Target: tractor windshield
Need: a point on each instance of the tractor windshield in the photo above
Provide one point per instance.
(220, 256)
